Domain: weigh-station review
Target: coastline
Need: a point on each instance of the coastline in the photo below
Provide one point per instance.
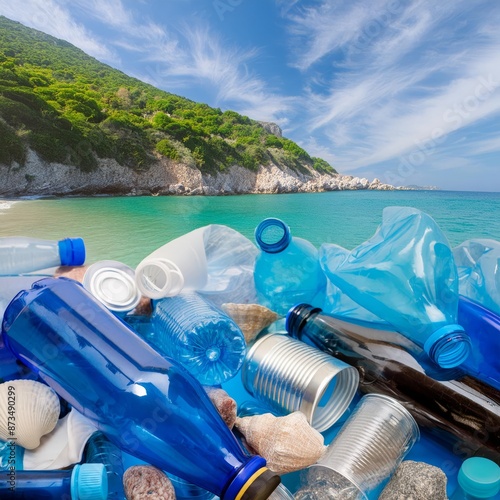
(37, 178)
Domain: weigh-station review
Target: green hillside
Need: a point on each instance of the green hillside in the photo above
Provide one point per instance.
(71, 109)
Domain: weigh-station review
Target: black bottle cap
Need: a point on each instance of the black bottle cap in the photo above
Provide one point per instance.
(262, 486)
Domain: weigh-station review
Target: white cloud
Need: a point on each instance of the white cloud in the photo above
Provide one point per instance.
(51, 18)
(396, 78)
(202, 57)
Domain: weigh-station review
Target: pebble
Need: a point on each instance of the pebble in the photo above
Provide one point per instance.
(416, 481)
(145, 482)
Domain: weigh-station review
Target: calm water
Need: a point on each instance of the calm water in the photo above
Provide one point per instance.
(127, 228)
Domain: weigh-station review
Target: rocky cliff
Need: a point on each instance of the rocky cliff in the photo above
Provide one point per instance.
(165, 177)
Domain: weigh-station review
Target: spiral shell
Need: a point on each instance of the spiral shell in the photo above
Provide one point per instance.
(287, 443)
(28, 411)
(251, 318)
(145, 481)
(225, 404)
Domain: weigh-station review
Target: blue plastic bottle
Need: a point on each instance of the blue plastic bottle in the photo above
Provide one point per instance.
(478, 264)
(83, 482)
(100, 450)
(478, 479)
(20, 254)
(287, 270)
(147, 405)
(484, 328)
(405, 274)
(198, 335)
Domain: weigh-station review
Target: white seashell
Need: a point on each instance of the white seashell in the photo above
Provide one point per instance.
(251, 318)
(287, 443)
(28, 410)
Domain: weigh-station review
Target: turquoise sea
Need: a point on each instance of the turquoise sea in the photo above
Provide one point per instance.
(128, 228)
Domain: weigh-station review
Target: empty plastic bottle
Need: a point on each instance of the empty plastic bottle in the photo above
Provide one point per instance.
(205, 340)
(405, 274)
(20, 254)
(478, 264)
(450, 405)
(484, 327)
(83, 482)
(147, 405)
(214, 259)
(478, 478)
(287, 270)
(100, 450)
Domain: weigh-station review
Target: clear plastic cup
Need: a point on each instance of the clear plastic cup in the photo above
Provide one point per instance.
(371, 444)
(288, 375)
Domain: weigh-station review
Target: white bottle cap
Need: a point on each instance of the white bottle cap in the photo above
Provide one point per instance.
(113, 284)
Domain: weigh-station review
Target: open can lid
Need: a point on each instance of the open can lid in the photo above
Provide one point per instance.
(113, 284)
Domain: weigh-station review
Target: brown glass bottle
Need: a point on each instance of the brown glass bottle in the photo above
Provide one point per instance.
(459, 411)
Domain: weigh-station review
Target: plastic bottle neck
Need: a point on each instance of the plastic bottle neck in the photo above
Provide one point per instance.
(272, 235)
(298, 316)
(254, 481)
(449, 346)
(157, 278)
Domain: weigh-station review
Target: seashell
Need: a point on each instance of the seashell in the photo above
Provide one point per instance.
(28, 411)
(225, 404)
(287, 443)
(145, 481)
(251, 318)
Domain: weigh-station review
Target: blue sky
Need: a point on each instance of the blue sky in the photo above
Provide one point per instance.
(406, 91)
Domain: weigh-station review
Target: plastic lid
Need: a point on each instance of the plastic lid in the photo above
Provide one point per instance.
(254, 481)
(113, 284)
(89, 482)
(272, 235)
(158, 278)
(72, 251)
(449, 346)
(479, 477)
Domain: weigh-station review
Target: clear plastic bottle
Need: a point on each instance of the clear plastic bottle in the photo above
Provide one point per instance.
(405, 274)
(100, 450)
(147, 405)
(20, 254)
(198, 335)
(478, 479)
(83, 482)
(478, 264)
(450, 405)
(287, 270)
(214, 259)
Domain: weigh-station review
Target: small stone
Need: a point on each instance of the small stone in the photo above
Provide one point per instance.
(416, 481)
(145, 482)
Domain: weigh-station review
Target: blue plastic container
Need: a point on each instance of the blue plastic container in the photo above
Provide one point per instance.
(478, 264)
(22, 254)
(198, 335)
(287, 270)
(405, 274)
(100, 450)
(484, 328)
(83, 482)
(148, 406)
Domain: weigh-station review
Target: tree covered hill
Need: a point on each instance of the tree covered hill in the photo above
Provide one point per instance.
(72, 109)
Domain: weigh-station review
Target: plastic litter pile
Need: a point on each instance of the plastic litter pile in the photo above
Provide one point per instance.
(220, 366)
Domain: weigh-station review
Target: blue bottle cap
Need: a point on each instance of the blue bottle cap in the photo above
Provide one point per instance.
(89, 482)
(479, 477)
(272, 235)
(72, 251)
(449, 346)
